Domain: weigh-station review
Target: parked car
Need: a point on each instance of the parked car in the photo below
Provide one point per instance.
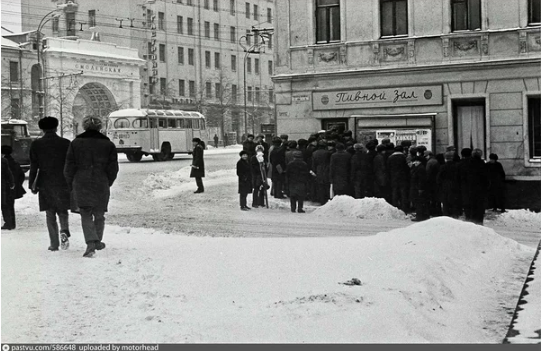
(15, 134)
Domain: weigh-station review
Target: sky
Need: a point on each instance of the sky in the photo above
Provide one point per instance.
(11, 15)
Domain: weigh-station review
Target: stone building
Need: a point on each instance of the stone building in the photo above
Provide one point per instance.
(445, 72)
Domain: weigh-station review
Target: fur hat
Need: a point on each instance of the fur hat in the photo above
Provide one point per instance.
(243, 152)
(491, 156)
(348, 133)
(48, 123)
(6, 150)
(358, 146)
(260, 147)
(405, 143)
(466, 152)
(284, 136)
(381, 147)
(92, 123)
(249, 136)
(196, 140)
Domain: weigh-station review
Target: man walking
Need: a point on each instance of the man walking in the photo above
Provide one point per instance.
(198, 165)
(47, 159)
(91, 169)
(216, 140)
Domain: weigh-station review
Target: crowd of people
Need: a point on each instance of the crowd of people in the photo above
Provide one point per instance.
(409, 177)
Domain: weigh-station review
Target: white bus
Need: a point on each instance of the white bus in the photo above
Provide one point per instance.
(160, 133)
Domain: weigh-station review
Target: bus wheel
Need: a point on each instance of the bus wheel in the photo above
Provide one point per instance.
(171, 156)
(135, 156)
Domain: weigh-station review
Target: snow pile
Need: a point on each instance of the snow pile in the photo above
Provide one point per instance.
(519, 218)
(439, 281)
(367, 208)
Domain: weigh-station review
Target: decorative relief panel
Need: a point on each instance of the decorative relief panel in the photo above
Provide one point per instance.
(343, 55)
(534, 42)
(465, 47)
(328, 57)
(394, 53)
(523, 42)
(484, 44)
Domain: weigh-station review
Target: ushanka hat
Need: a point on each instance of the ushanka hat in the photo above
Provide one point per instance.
(196, 140)
(48, 123)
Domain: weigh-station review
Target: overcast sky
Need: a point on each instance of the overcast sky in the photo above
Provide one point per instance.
(11, 15)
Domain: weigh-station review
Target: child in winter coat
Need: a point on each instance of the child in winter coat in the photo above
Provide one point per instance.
(244, 172)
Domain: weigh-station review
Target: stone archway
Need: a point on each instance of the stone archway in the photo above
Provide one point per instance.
(92, 99)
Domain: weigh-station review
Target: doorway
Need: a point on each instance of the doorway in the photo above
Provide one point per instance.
(469, 121)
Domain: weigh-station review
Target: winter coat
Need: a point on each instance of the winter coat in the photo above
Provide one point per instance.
(432, 169)
(321, 160)
(310, 149)
(244, 173)
(249, 147)
(463, 166)
(417, 180)
(91, 169)
(448, 181)
(397, 168)
(278, 157)
(380, 170)
(298, 175)
(198, 162)
(496, 175)
(48, 157)
(340, 170)
(7, 183)
(361, 167)
(477, 178)
(18, 177)
(289, 156)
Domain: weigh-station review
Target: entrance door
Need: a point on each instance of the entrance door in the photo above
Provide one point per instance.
(340, 123)
(470, 126)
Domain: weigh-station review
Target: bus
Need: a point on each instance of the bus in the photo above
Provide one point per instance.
(158, 133)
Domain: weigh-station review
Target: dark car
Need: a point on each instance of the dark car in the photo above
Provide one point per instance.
(15, 134)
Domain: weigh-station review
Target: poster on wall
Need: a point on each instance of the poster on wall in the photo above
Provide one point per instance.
(417, 137)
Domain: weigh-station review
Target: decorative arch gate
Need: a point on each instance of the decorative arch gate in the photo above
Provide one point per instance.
(92, 99)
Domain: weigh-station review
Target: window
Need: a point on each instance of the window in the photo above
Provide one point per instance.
(190, 57)
(190, 26)
(181, 55)
(269, 15)
(162, 52)
(534, 12)
(466, 14)
(207, 59)
(256, 12)
(163, 86)
(121, 123)
(92, 18)
(140, 123)
(15, 108)
(189, 2)
(247, 10)
(179, 1)
(13, 71)
(232, 7)
(248, 37)
(188, 124)
(171, 123)
(217, 60)
(233, 33)
(249, 64)
(70, 23)
(150, 85)
(271, 95)
(234, 63)
(206, 4)
(162, 123)
(256, 66)
(208, 90)
(327, 20)
(218, 90)
(270, 68)
(181, 123)
(216, 31)
(207, 29)
(394, 17)
(269, 41)
(249, 94)
(257, 95)
(534, 126)
(180, 21)
(215, 6)
(56, 24)
(149, 18)
(149, 47)
(191, 86)
(161, 21)
(181, 87)
(234, 93)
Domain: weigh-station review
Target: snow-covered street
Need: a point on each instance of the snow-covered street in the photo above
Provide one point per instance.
(184, 267)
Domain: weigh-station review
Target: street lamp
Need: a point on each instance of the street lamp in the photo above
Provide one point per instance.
(253, 49)
(41, 95)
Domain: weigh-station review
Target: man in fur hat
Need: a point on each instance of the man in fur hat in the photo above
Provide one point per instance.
(46, 178)
(198, 165)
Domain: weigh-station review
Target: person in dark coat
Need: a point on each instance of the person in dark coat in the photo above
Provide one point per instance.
(244, 173)
(368, 168)
(432, 190)
(225, 140)
(8, 201)
(90, 171)
(381, 179)
(198, 165)
(249, 145)
(477, 185)
(47, 160)
(358, 169)
(398, 170)
(448, 181)
(496, 181)
(321, 159)
(465, 196)
(309, 152)
(18, 192)
(258, 168)
(278, 160)
(298, 174)
(418, 180)
(339, 169)
(216, 139)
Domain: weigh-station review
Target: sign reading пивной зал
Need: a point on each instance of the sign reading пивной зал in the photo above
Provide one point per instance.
(373, 98)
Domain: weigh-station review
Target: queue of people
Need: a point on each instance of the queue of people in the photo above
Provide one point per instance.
(331, 163)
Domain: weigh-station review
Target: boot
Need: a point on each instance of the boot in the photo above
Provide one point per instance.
(90, 249)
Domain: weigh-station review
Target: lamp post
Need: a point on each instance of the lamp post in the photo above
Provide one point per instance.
(41, 94)
(253, 49)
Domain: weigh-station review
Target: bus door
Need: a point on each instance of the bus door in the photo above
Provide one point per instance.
(154, 134)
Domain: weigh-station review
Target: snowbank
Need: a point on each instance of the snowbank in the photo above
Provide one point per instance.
(367, 208)
(439, 281)
(519, 218)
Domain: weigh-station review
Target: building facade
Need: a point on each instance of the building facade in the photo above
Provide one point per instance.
(191, 48)
(446, 72)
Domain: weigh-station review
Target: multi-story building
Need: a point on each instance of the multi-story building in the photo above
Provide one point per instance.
(445, 72)
(191, 47)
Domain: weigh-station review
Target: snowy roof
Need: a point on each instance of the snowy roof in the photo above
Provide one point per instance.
(14, 121)
(9, 43)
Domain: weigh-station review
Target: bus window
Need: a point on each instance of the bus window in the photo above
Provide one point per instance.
(121, 123)
(188, 124)
(195, 124)
(140, 123)
(153, 123)
(181, 123)
(202, 122)
(171, 123)
(162, 123)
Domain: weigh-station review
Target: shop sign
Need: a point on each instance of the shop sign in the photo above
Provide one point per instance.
(417, 137)
(300, 98)
(375, 98)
